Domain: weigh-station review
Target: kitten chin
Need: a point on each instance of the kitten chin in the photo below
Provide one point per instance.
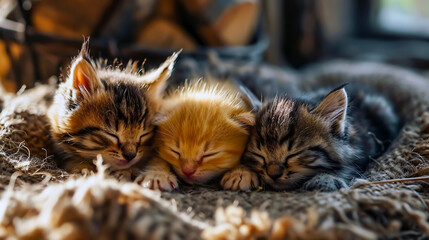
(286, 183)
(105, 110)
(319, 143)
(203, 130)
(200, 176)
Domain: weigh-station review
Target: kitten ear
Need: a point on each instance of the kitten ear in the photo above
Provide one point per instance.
(83, 77)
(82, 73)
(334, 109)
(248, 97)
(156, 79)
(246, 119)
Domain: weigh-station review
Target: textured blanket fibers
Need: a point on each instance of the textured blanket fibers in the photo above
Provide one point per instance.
(40, 201)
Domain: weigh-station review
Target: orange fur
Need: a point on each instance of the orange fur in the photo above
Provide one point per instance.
(205, 128)
(107, 111)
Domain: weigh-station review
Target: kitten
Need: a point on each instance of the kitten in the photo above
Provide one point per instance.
(298, 143)
(202, 134)
(106, 110)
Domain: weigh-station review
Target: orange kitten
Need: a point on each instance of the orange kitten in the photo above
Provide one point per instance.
(202, 134)
(107, 111)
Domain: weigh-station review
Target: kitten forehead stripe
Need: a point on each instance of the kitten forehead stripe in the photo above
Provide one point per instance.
(131, 107)
(280, 113)
(94, 98)
(293, 155)
(325, 149)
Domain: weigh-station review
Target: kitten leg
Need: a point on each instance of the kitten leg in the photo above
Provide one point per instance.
(325, 183)
(157, 176)
(240, 178)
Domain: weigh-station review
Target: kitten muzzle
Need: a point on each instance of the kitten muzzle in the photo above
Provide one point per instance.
(275, 170)
(122, 162)
(188, 172)
(129, 151)
(129, 155)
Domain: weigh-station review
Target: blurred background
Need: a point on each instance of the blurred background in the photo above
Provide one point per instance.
(38, 38)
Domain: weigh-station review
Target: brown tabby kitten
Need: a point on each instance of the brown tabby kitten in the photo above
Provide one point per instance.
(107, 111)
(297, 143)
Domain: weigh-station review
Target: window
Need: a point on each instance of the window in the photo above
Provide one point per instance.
(404, 17)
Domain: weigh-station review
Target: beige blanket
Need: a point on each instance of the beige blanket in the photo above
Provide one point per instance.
(40, 201)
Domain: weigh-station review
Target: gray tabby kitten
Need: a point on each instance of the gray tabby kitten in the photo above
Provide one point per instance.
(315, 143)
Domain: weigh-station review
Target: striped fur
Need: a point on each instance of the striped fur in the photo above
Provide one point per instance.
(107, 111)
(324, 145)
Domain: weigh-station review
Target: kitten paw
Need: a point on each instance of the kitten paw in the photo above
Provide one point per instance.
(86, 172)
(240, 179)
(83, 171)
(123, 175)
(158, 180)
(325, 183)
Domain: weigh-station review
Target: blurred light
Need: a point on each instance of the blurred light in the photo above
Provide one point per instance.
(404, 16)
(26, 5)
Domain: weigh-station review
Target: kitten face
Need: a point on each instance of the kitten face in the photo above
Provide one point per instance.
(113, 122)
(107, 112)
(202, 138)
(292, 142)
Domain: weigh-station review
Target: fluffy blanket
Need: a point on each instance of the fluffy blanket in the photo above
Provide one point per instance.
(40, 201)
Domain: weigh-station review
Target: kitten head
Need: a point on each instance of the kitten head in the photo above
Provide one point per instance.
(204, 130)
(107, 111)
(292, 141)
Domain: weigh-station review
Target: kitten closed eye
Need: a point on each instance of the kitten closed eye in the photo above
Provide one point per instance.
(144, 137)
(204, 130)
(112, 137)
(107, 111)
(175, 152)
(259, 156)
(323, 147)
(207, 156)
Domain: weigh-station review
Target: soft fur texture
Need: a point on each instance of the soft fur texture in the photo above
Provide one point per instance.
(40, 202)
(302, 143)
(202, 133)
(106, 110)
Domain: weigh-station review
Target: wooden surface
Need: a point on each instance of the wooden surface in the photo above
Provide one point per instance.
(162, 33)
(69, 18)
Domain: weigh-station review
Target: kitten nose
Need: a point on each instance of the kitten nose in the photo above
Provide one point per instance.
(275, 170)
(129, 155)
(188, 172)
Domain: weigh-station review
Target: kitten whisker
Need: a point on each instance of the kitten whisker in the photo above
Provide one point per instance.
(334, 138)
(104, 99)
(202, 118)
